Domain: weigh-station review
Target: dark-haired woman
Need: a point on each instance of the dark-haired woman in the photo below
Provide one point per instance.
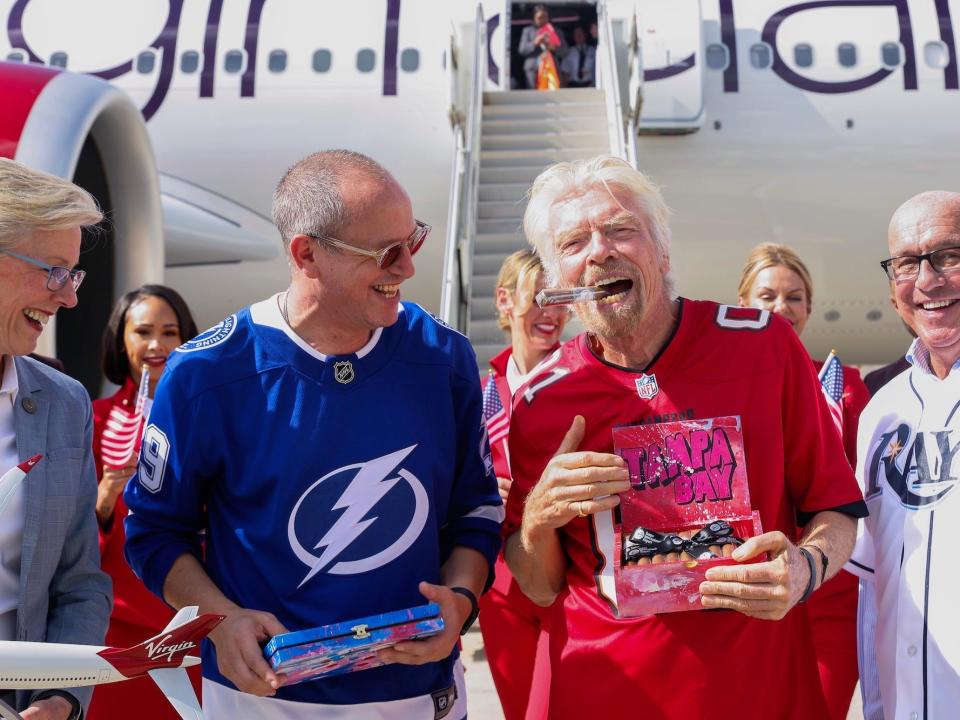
(146, 325)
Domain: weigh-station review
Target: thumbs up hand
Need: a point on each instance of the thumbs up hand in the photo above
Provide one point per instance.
(575, 483)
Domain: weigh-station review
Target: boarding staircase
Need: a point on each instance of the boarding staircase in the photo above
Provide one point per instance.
(504, 140)
(522, 133)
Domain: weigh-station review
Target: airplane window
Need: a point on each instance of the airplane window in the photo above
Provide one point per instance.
(890, 54)
(410, 60)
(189, 61)
(847, 54)
(760, 55)
(145, 62)
(322, 61)
(16, 56)
(803, 55)
(233, 61)
(936, 54)
(366, 60)
(716, 56)
(277, 61)
(58, 59)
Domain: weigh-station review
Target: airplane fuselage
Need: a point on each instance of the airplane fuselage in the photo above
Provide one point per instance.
(38, 666)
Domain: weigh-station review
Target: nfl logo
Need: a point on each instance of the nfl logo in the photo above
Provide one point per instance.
(343, 372)
(647, 387)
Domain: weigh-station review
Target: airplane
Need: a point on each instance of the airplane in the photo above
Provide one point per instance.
(164, 657)
(764, 120)
(13, 477)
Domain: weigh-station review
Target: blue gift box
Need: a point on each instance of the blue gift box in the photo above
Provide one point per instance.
(350, 645)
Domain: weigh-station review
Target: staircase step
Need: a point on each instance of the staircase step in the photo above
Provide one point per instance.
(488, 264)
(503, 209)
(592, 122)
(499, 226)
(546, 141)
(482, 307)
(504, 243)
(554, 97)
(486, 332)
(515, 174)
(483, 284)
(528, 158)
(515, 192)
(542, 113)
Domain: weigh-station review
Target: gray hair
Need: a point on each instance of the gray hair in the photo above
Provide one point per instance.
(308, 199)
(32, 201)
(610, 173)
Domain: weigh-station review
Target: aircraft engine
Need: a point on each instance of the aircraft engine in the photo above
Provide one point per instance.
(82, 128)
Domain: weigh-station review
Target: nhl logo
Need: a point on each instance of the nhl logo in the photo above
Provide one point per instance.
(647, 387)
(343, 372)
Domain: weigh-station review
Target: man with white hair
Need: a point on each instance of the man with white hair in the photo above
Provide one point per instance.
(648, 357)
(908, 440)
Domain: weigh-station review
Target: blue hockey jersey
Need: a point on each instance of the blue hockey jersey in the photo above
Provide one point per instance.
(327, 486)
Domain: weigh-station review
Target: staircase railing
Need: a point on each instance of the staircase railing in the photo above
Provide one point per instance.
(609, 78)
(462, 205)
(621, 77)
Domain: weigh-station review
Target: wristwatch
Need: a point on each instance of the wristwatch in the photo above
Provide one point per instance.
(474, 608)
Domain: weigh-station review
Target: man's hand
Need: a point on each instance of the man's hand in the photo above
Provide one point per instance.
(766, 590)
(49, 708)
(239, 655)
(574, 484)
(454, 609)
(111, 486)
(503, 486)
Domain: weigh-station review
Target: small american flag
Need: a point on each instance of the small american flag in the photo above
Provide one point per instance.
(831, 382)
(494, 414)
(122, 431)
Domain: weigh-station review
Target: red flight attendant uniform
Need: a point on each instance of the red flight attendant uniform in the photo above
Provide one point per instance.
(833, 608)
(514, 629)
(138, 614)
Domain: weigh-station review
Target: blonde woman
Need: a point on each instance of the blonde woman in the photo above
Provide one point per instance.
(511, 624)
(776, 279)
(51, 587)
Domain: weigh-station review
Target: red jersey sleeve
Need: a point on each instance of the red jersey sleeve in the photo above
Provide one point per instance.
(818, 475)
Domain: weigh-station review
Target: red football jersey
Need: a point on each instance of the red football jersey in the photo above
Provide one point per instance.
(719, 361)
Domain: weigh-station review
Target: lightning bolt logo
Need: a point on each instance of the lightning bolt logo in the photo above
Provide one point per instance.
(370, 484)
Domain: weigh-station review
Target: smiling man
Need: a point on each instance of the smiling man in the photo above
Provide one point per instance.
(329, 441)
(650, 357)
(908, 441)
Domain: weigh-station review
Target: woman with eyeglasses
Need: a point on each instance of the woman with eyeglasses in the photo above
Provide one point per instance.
(51, 586)
(146, 325)
(512, 624)
(776, 279)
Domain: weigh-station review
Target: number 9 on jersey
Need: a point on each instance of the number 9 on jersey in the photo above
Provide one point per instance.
(153, 458)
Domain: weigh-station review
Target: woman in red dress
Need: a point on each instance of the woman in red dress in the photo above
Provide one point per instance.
(513, 627)
(775, 279)
(146, 325)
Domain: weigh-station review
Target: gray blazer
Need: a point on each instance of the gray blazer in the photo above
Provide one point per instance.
(64, 596)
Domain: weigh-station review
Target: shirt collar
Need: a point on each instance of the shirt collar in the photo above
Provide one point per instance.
(919, 356)
(9, 383)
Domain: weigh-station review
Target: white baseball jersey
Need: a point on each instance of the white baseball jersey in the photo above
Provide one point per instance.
(908, 440)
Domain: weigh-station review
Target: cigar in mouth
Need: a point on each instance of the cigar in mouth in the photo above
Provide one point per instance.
(590, 293)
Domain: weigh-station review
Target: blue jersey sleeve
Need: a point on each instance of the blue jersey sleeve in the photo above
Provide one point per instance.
(165, 496)
(475, 511)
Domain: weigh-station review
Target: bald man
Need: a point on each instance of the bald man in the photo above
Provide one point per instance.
(908, 440)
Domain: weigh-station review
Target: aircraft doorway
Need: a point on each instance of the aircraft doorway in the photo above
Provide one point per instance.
(575, 24)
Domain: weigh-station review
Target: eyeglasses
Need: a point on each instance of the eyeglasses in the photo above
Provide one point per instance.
(57, 275)
(907, 267)
(387, 256)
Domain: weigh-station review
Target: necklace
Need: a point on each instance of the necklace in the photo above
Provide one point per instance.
(283, 310)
